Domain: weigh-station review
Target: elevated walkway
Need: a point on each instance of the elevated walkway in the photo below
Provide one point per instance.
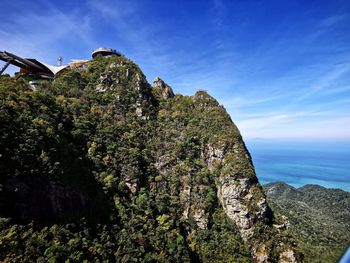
(30, 65)
(42, 70)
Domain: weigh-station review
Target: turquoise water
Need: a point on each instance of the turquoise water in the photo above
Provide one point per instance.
(297, 163)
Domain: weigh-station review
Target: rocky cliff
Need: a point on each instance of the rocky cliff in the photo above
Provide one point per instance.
(151, 176)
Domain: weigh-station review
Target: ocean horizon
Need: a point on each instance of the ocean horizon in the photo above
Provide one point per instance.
(301, 162)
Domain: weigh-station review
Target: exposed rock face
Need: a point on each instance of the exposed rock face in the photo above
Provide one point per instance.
(231, 193)
(239, 190)
(185, 195)
(214, 156)
(164, 89)
(237, 187)
(181, 181)
(287, 256)
(201, 218)
(224, 154)
(242, 197)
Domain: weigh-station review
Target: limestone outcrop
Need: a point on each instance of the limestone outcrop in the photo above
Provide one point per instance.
(168, 176)
(165, 90)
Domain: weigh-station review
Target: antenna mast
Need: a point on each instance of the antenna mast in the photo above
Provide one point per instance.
(59, 61)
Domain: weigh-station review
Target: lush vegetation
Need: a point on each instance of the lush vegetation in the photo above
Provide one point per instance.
(319, 218)
(94, 167)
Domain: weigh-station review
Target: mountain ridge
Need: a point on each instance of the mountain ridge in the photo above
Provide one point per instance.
(123, 171)
(318, 218)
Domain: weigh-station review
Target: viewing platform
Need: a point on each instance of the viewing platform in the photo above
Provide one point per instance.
(105, 52)
(43, 70)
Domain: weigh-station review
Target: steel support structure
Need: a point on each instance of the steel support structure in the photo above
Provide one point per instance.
(5, 67)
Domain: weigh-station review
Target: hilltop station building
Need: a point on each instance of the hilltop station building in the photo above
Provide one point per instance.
(46, 71)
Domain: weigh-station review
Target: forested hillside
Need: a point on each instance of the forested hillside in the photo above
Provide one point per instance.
(318, 217)
(98, 165)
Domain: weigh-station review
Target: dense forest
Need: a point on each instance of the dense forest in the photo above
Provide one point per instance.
(97, 165)
(319, 218)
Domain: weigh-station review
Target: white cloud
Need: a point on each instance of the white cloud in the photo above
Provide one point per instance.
(283, 126)
(244, 101)
(326, 80)
(263, 122)
(219, 12)
(43, 34)
(333, 20)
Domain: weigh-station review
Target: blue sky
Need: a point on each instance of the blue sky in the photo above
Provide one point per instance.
(280, 68)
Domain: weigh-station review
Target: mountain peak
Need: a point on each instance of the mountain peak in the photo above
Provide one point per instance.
(164, 89)
(204, 100)
(163, 174)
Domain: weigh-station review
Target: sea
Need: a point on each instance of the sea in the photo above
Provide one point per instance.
(301, 162)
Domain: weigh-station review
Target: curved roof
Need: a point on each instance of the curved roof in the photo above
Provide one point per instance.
(31, 65)
(102, 51)
(54, 69)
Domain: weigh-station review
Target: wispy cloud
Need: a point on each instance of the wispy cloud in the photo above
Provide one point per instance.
(219, 12)
(275, 73)
(334, 20)
(283, 126)
(326, 80)
(263, 122)
(138, 38)
(114, 9)
(174, 58)
(244, 101)
(44, 33)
